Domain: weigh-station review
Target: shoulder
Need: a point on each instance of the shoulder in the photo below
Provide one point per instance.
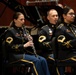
(60, 26)
(10, 30)
(43, 29)
(74, 25)
(45, 26)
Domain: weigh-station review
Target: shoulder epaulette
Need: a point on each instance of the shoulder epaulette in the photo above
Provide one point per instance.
(10, 28)
(61, 25)
(73, 25)
(44, 26)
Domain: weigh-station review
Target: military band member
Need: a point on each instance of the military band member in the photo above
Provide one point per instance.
(66, 33)
(46, 35)
(18, 45)
(46, 32)
(66, 36)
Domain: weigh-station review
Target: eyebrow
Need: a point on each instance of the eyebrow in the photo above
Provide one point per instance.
(22, 19)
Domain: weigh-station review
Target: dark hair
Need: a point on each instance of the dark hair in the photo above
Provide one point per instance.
(15, 16)
(66, 10)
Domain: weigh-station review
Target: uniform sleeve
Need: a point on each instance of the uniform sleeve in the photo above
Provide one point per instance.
(44, 43)
(62, 39)
(11, 45)
(73, 43)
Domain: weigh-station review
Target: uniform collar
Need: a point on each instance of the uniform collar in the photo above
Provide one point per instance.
(67, 24)
(51, 25)
(18, 28)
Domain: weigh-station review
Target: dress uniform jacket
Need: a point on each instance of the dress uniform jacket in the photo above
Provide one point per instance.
(66, 40)
(15, 38)
(45, 36)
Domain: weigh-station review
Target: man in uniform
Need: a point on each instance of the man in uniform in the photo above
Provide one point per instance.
(45, 38)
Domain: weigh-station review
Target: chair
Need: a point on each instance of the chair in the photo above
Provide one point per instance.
(59, 63)
(16, 67)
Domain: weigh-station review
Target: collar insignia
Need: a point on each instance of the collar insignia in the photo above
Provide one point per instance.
(17, 34)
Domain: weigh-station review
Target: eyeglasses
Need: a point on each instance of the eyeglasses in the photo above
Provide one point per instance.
(72, 14)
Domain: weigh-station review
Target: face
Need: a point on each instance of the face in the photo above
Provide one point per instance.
(20, 20)
(52, 16)
(69, 17)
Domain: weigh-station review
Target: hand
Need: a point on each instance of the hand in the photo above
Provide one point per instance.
(28, 44)
(30, 38)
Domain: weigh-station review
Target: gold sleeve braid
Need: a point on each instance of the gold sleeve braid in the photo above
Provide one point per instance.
(46, 44)
(9, 41)
(15, 47)
(42, 38)
(67, 44)
(61, 39)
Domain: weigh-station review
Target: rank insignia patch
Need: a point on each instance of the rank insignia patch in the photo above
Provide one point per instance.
(9, 40)
(42, 38)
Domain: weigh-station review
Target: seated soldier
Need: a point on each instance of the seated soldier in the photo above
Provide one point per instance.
(46, 35)
(19, 45)
(66, 37)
